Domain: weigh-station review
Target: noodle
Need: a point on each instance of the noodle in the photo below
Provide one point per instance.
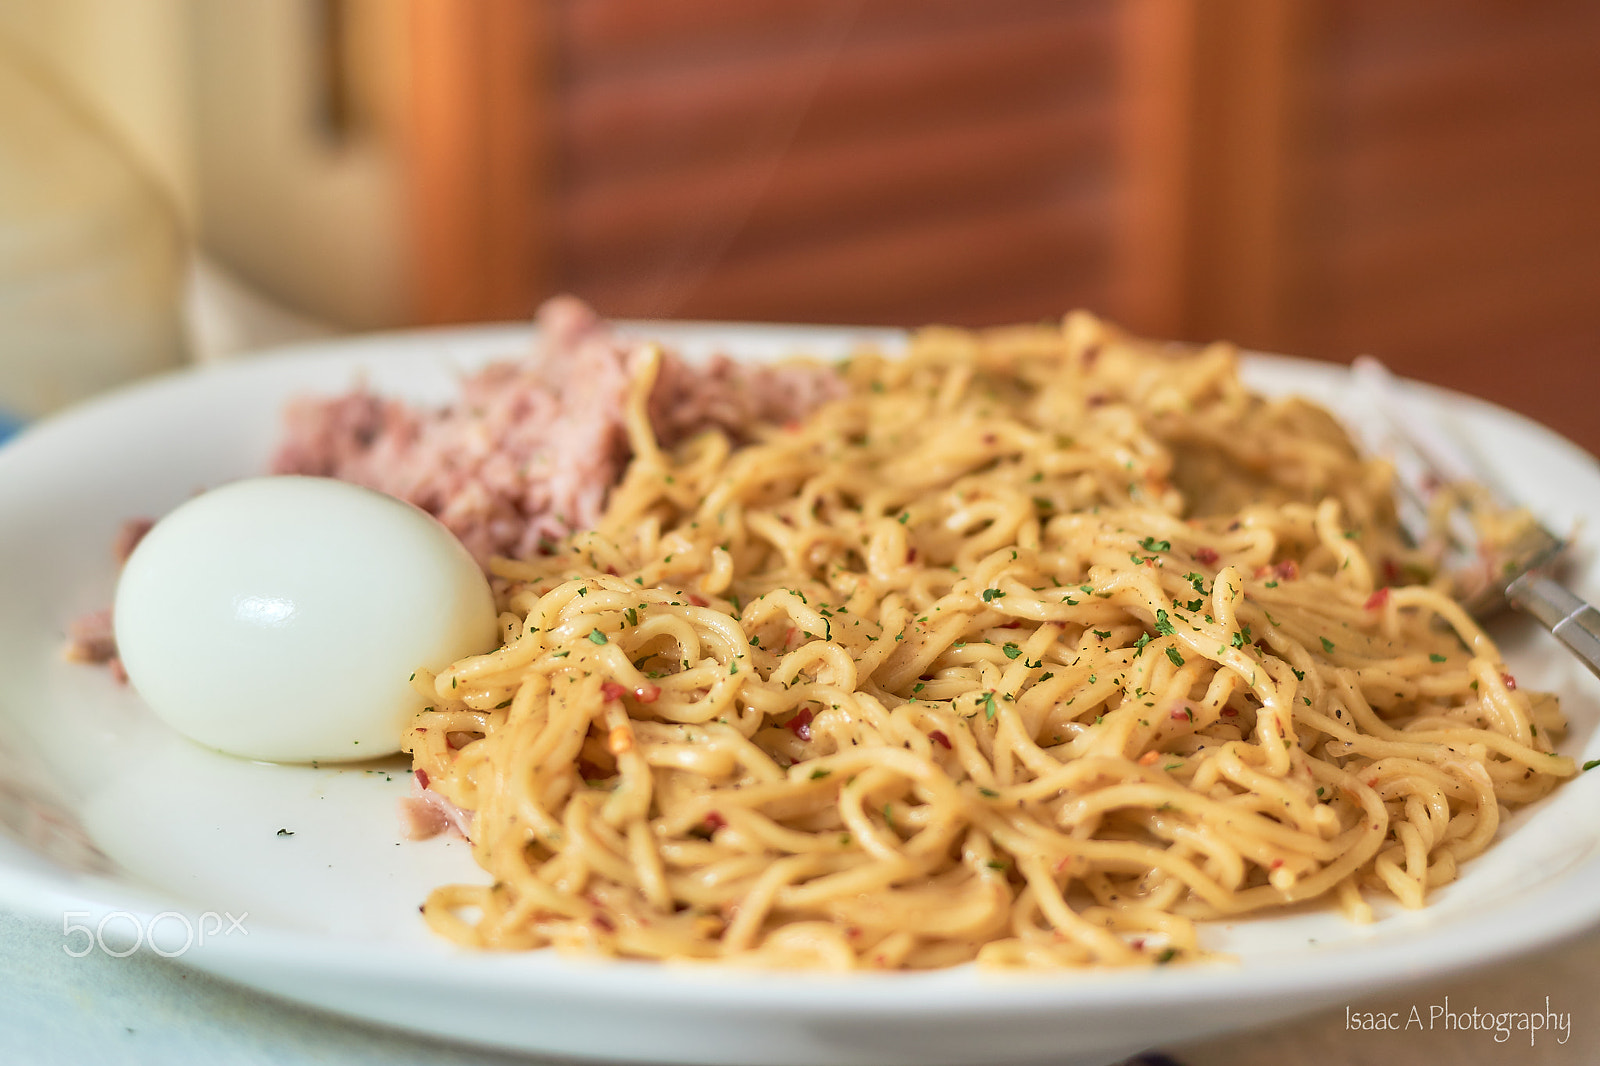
(1038, 647)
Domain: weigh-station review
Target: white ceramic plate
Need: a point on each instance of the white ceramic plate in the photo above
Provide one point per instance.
(115, 825)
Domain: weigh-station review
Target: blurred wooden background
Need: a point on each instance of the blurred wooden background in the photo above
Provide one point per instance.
(1418, 181)
(1421, 182)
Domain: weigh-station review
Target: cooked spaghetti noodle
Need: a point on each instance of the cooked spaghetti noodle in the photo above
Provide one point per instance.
(1039, 646)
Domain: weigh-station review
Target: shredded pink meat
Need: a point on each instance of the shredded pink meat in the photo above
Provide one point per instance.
(425, 813)
(90, 638)
(531, 449)
(129, 536)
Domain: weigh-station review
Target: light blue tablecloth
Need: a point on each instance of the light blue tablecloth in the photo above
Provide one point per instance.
(56, 1010)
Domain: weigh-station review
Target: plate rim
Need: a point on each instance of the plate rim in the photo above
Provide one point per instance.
(40, 891)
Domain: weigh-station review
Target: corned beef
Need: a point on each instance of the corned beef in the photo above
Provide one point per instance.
(530, 450)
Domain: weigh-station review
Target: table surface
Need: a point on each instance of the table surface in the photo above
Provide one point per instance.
(57, 1009)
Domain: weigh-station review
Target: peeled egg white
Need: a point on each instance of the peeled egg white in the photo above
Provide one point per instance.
(280, 618)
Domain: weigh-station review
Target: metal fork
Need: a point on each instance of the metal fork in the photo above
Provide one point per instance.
(1489, 575)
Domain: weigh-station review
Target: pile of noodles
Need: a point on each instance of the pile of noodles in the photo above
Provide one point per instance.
(1036, 648)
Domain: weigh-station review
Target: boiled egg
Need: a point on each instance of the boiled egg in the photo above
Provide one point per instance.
(281, 618)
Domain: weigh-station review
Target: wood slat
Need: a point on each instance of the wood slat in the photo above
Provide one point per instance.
(816, 93)
(603, 36)
(1474, 317)
(831, 192)
(1417, 251)
(1464, 172)
(941, 270)
(1480, 86)
(1385, 49)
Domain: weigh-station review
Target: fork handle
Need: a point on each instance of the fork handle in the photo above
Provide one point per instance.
(1574, 622)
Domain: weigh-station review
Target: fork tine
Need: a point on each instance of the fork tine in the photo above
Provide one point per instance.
(1438, 453)
(1425, 463)
(1442, 496)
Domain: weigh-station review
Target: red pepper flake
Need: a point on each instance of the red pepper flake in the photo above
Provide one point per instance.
(611, 570)
(853, 932)
(1510, 682)
(699, 601)
(990, 438)
(422, 778)
(1137, 943)
(714, 821)
(1207, 556)
(1277, 863)
(604, 924)
(911, 555)
(938, 737)
(1229, 712)
(800, 724)
(647, 693)
(1391, 572)
(422, 729)
(1288, 570)
(610, 690)
(1181, 715)
(1377, 599)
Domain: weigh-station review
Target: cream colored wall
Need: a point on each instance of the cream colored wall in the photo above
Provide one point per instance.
(128, 62)
(315, 224)
(215, 100)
